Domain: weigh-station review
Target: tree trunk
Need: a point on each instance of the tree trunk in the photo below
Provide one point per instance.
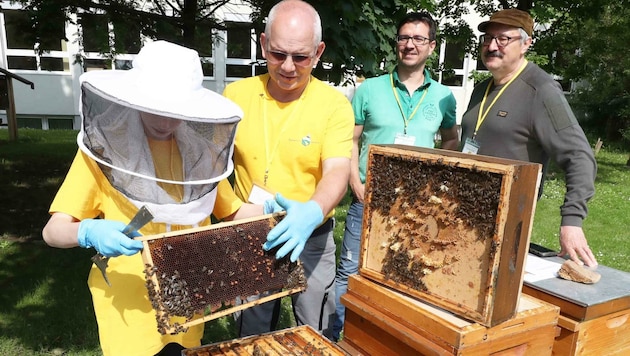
(189, 22)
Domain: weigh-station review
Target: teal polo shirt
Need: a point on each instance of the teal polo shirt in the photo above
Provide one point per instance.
(376, 109)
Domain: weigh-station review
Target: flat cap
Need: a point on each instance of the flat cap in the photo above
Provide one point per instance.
(511, 17)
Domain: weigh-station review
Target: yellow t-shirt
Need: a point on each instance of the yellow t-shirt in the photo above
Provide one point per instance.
(286, 142)
(168, 165)
(126, 319)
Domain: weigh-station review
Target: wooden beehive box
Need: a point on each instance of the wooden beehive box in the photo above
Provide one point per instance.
(382, 321)
(605, 335)
(299, 340)
(594, 318)
(449, 228)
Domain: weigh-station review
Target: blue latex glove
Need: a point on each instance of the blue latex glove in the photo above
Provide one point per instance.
(107, 238)
(296, 227)
(271, 206)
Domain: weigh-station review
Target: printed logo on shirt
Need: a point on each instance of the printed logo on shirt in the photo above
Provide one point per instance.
(502, 113)
(429, 112)
(305, 141)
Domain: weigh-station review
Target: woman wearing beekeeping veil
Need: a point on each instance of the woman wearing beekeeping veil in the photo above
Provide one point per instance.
(150, 136)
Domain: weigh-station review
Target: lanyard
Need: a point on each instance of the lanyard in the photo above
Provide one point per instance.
(402, 112)
(480, 117)
(270, 153)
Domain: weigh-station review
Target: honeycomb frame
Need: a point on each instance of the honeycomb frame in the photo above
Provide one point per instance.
(298, 340)
(196, 275)
(449, 228)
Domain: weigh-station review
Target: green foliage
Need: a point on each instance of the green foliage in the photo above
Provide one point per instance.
(359, 35)
(584, 43)
(478, 76)
(187, 23)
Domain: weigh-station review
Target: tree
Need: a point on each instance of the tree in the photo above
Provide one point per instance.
(359, 34)
(187, 22)
(583, 43)
(587, 45)
(579, 41)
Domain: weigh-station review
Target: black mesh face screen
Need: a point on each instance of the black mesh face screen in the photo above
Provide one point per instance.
(202, 271)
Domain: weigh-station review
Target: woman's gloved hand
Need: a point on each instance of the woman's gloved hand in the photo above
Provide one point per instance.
(271, 206)
(296, 227)
(107, 238)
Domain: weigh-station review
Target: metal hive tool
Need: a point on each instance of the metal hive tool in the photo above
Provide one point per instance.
(198, 273)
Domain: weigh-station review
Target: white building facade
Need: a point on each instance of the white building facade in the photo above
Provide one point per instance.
(54, 101)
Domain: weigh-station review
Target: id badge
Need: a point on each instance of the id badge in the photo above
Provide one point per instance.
(403, 139)
(471, 146)
(258, 195)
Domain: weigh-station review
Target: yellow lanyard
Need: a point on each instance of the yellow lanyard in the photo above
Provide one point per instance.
(270, 153)
(402, 112)
(480, 117)
(168, 164)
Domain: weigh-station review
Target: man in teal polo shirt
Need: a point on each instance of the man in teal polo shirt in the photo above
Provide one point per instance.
(403, 107)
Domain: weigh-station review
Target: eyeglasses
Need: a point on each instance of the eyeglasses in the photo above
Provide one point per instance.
(301, 60)
(502, 41)
(416, 40)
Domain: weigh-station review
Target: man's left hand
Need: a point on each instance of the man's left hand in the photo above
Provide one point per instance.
(573, 243)
(296, 227)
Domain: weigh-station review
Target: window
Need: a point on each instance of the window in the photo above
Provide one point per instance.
(205, 47)
(96, 64)
(18, 33)
(208, 68)
(453, 64)
(238, 71)
(21, 44)
(123, 64)
(480, 65)
(4, 93)
(22, 62)
(101, 35)
(60, 123)
(29, 122)
(242, 50)
(126, 37)
(94, 32)
(239, 40)
(53, 64)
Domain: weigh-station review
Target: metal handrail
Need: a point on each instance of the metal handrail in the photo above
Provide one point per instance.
(15, 76)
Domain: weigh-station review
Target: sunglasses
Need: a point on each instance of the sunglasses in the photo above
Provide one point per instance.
(301, 60)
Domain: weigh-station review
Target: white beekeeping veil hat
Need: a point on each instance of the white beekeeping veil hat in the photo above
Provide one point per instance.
(165, 83)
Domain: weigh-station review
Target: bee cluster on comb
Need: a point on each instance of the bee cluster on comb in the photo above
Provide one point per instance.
(439, 207)
(448, 227)
(194, 273)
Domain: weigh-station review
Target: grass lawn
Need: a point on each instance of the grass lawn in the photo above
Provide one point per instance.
(45, 306)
